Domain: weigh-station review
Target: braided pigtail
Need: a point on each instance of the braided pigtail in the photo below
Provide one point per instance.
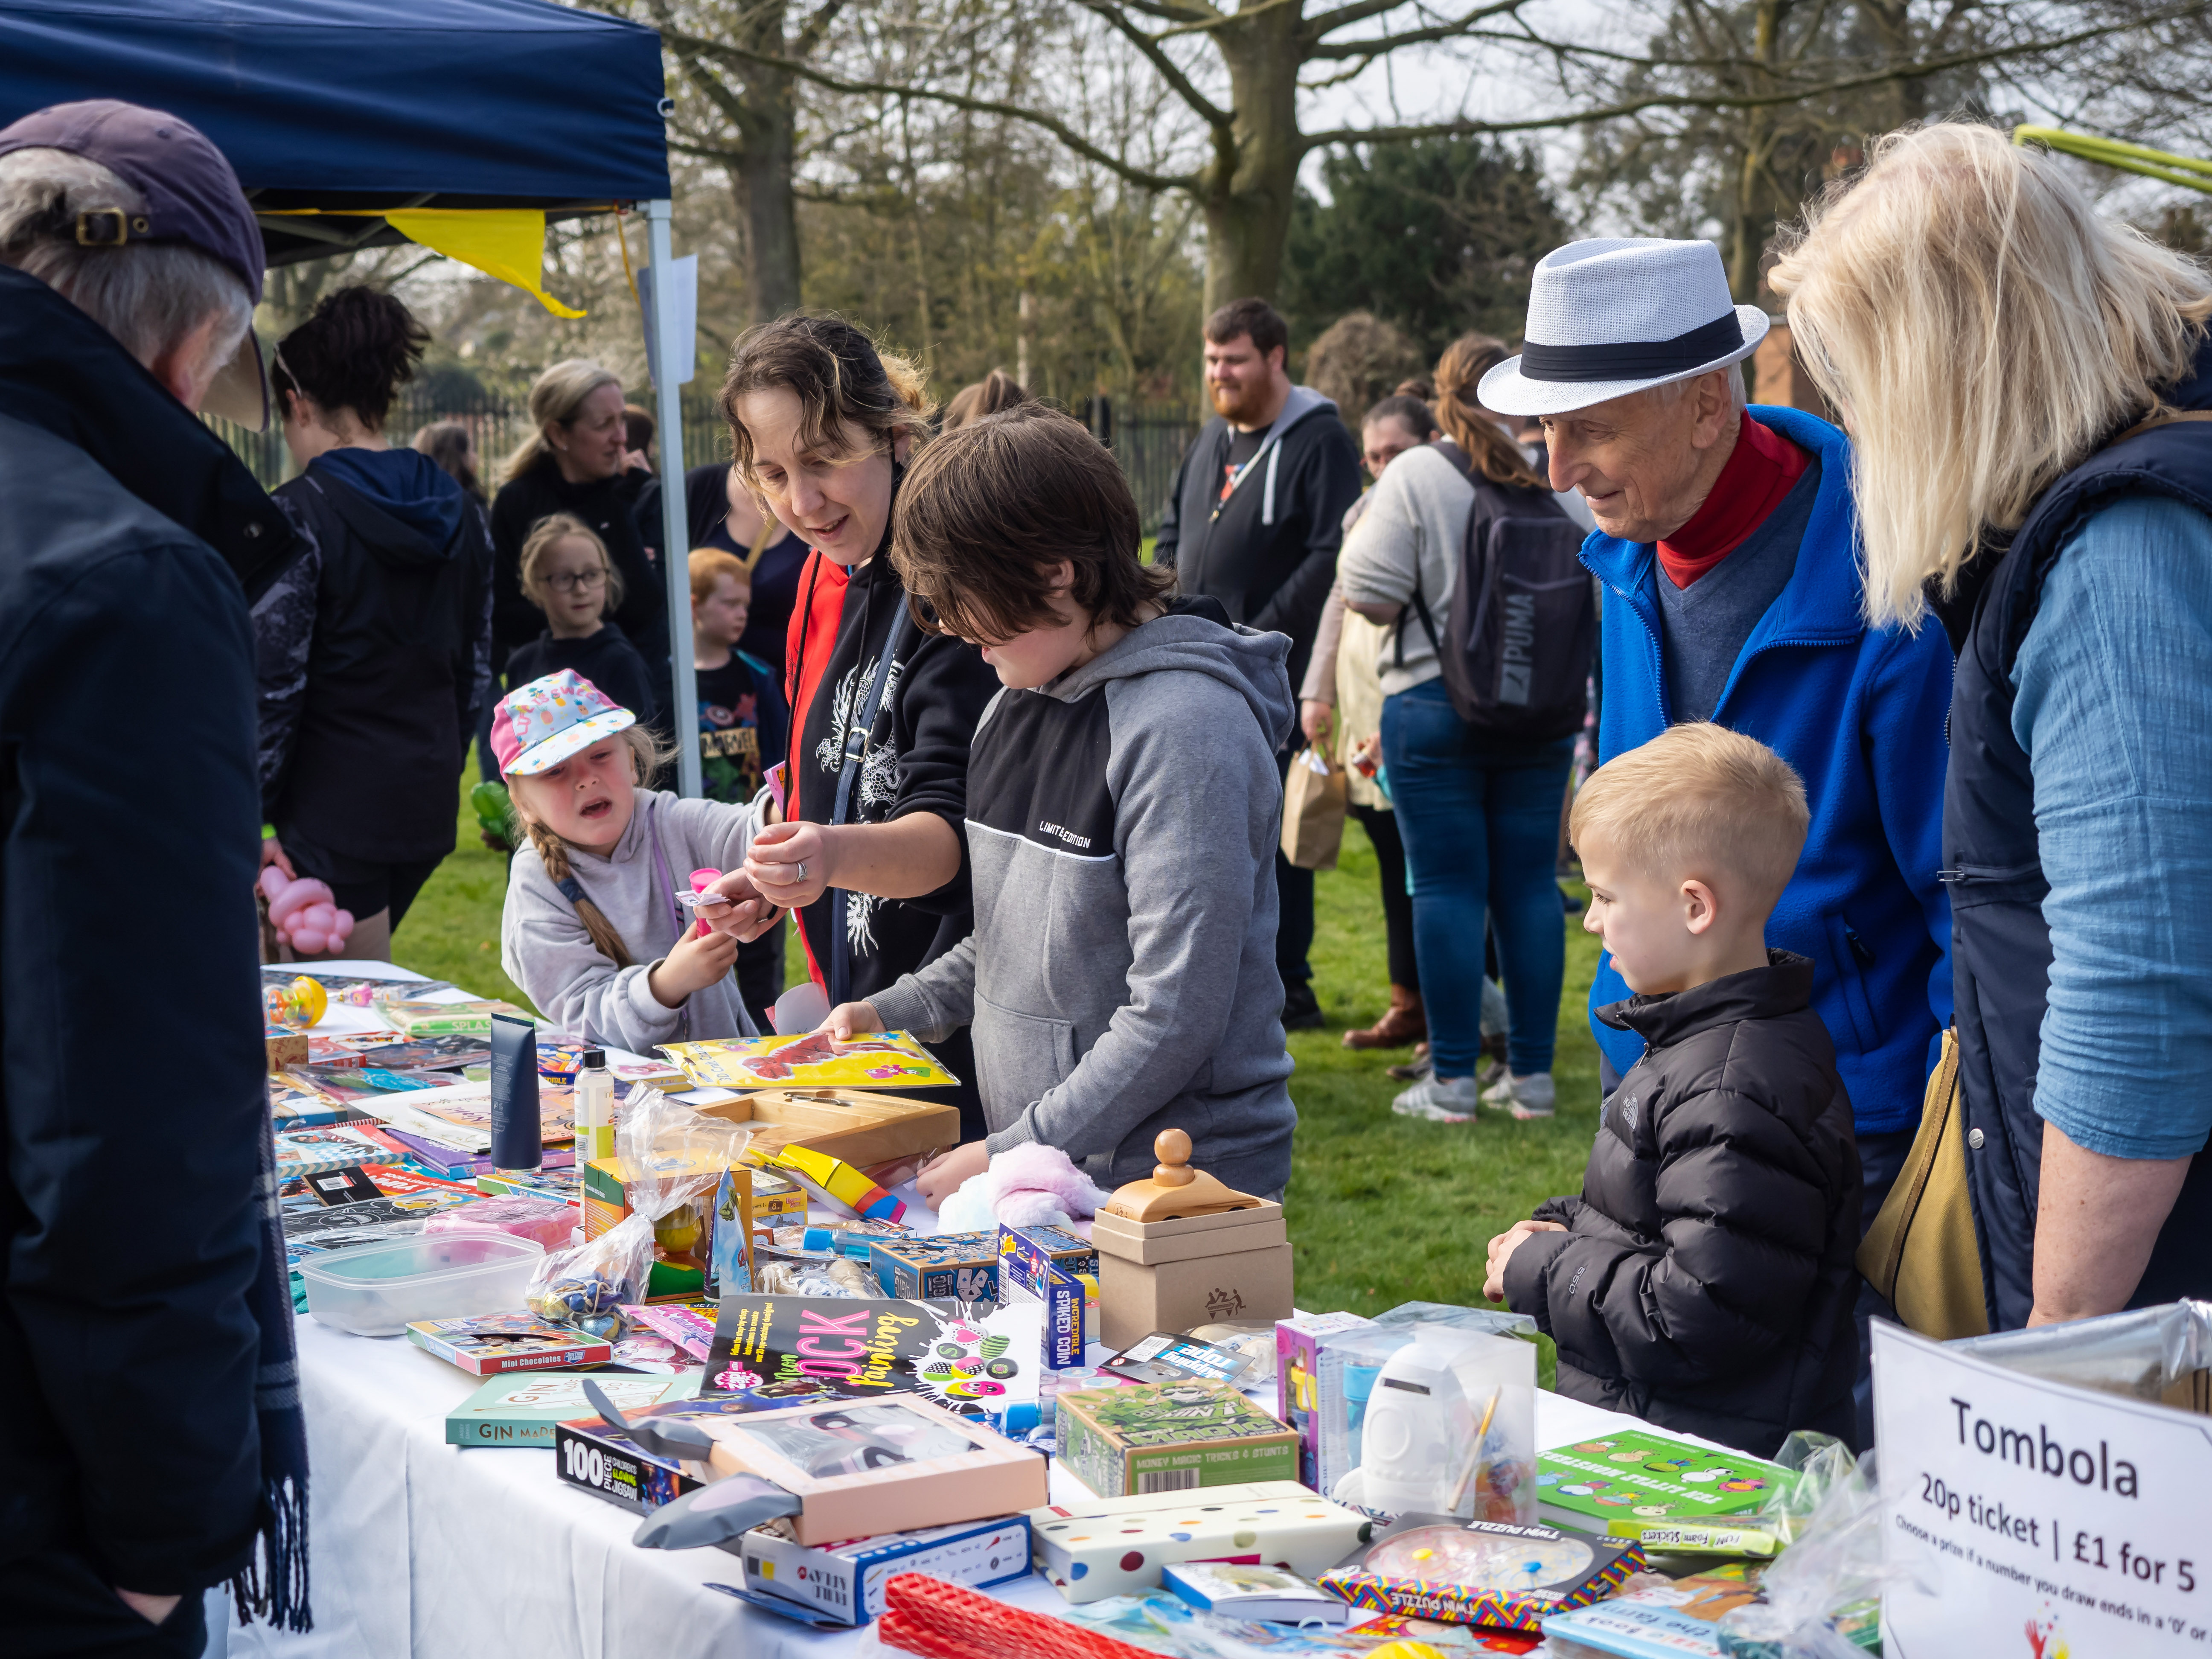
(553, 852)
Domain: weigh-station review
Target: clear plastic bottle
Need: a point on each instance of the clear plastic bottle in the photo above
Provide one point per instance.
(595, 1107)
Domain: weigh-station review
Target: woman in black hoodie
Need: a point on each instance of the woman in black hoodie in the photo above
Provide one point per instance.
(375, 647)
(578, 460)
(872, 854)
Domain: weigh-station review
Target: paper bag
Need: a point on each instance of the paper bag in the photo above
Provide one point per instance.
(1314, 796)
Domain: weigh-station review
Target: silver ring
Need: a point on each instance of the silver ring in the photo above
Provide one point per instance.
(802, 869)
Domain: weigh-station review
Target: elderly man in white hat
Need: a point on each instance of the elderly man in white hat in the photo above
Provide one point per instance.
(1726, 548)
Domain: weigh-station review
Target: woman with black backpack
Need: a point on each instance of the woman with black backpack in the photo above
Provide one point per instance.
(1478, 807)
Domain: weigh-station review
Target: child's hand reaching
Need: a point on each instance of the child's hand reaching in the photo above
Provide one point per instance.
(698, 960)
(942, 1177)
(746, 916)
(848, 1017)
(1501, 1252)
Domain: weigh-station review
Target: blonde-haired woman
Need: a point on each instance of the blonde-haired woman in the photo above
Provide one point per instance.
(2029, 393)
(577, 460)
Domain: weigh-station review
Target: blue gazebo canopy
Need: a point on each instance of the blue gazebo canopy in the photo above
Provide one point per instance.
(344, 104)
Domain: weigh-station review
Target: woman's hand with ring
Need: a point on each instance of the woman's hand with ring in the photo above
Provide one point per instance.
(793, 864)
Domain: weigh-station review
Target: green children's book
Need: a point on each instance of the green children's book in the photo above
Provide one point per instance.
(522, 1410)
(1676, 1497)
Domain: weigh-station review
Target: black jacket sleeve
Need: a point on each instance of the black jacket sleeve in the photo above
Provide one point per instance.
(1322, 485)
(132, 1238)
(514, 621)
(473, 663)
(1170, 537)
(942, 694)
(1744, 1207)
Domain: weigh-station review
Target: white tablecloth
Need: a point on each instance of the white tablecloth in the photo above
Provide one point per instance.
(424, 1548)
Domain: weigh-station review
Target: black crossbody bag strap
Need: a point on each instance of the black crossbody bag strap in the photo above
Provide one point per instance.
(857, 731)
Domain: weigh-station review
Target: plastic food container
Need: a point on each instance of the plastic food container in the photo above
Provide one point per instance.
(378, 1289)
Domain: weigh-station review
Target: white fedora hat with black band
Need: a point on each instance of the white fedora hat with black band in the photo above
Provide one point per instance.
(1618, 315)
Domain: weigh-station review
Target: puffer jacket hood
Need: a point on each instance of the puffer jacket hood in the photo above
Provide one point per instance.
(1706, 1278)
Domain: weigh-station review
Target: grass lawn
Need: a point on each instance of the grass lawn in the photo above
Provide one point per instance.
(1383, 1209)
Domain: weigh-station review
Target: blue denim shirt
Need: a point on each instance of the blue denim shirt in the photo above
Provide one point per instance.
(2111, 684)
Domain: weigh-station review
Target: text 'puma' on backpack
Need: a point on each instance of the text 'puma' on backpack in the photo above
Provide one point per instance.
(1521, 627)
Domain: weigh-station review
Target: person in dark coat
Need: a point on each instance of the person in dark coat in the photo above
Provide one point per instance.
(1255, 521)
(577, 459)
(147, 1373)
(1703, 1278)
(722, 517)
(375, 648)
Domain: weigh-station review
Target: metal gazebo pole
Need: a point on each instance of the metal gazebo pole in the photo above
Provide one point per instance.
(675, 528)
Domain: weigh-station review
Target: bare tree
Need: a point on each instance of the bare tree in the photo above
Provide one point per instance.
(1240, 75)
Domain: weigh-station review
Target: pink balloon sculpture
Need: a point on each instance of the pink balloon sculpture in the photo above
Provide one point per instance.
(305, 912)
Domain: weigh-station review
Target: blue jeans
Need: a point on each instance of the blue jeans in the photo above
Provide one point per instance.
(1481, 828)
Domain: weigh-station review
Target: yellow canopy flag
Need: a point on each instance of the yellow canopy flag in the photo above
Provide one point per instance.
(508, 243)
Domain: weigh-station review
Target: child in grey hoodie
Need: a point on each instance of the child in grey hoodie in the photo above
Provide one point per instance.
(592, 932)
(1124, 810)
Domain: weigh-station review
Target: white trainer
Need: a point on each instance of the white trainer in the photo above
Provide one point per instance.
(1524, 1096)
(1440, 1100)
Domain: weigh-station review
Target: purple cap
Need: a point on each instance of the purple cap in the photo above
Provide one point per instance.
(192, 196)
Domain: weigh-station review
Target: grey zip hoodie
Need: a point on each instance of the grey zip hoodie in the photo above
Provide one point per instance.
(1120, 980)
(546, 951)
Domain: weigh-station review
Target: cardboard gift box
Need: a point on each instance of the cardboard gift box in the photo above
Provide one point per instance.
(1194, 1270)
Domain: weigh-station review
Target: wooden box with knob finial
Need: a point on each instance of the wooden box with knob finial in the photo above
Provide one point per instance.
(1180, 1249)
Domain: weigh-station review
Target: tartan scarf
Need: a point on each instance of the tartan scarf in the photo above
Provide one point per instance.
(274, 1585)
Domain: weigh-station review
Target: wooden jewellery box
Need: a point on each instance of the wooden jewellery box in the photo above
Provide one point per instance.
(1182, 1249)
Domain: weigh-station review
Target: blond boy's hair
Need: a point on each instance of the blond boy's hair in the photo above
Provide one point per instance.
(1699, 800)
(547, 533)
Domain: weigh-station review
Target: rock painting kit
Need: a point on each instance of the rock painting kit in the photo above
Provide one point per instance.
(689, 1277)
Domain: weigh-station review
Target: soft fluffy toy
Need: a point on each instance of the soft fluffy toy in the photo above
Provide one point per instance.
(305, 911)
(1031, 1185)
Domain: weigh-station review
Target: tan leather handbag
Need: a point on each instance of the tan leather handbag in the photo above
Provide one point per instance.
(1920, 1253)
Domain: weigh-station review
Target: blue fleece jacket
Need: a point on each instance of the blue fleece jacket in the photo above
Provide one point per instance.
(1859, 711)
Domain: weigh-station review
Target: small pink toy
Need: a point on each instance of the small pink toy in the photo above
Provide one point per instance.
(305, 911)
(701, 881)
(1030, 1185)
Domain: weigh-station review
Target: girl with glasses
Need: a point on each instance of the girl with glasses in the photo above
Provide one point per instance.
(566, 573)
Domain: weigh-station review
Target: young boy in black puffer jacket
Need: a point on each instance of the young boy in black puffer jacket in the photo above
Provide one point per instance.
(1704, 1279)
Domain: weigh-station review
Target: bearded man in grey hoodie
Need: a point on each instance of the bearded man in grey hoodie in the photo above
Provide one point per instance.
(1123, 815)
(1254, 522)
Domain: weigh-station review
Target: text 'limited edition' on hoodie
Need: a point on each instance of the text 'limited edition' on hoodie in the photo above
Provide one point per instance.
(1120, 979)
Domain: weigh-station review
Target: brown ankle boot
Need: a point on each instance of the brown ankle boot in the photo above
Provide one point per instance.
(1403, 1023)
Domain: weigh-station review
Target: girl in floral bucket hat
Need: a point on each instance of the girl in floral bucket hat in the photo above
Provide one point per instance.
(592, 931)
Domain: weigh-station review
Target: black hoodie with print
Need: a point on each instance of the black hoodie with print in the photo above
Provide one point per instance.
(917, 759)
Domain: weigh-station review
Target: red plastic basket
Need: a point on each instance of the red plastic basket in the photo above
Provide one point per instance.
(937, 1620)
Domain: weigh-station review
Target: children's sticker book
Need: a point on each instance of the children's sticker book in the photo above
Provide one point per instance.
(882, 1059)
(1626, 1483)
(485, 1344)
